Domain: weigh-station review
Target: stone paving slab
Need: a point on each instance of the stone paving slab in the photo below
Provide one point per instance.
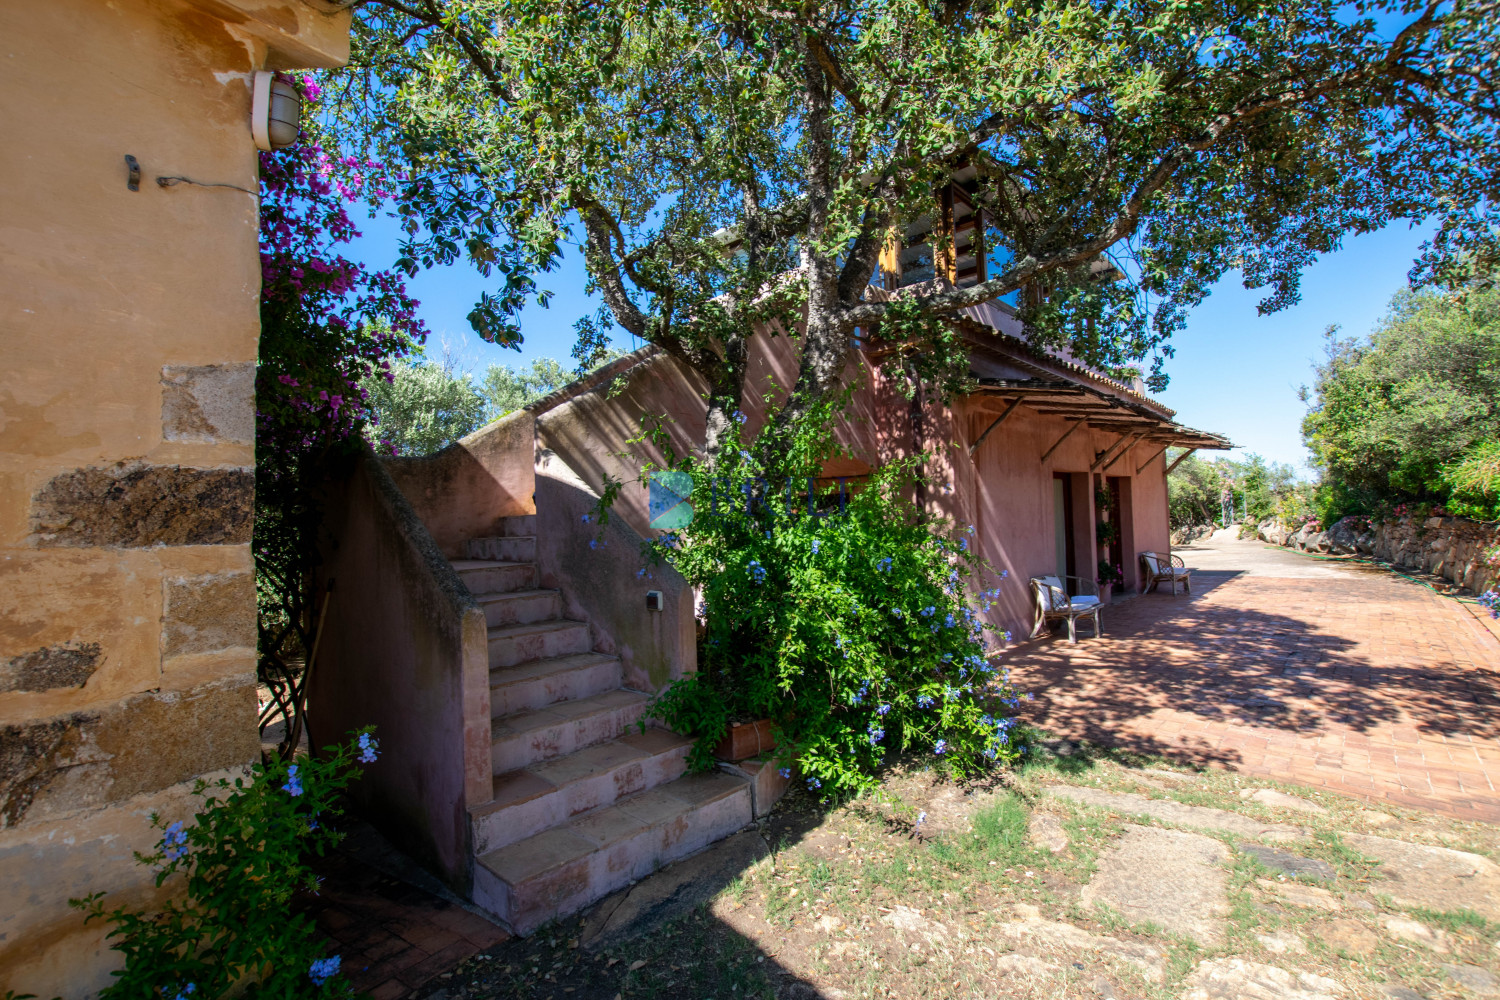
(1170, 878)
(1176, 813)
(1352, 681)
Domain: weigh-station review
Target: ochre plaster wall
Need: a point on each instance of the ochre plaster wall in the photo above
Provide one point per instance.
(128, 328)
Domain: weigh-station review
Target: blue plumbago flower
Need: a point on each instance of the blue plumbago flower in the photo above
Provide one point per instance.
(947, 657)
(756, 570)
(593, 543)
(1022, 748)
(640, 572)
(929, 611)
(768, 534)
(745, 455)
(940, 747)
(1003, 737)
(882, 709)
(963, 545)
(921, 818)
(1003, 574)
(174, 842)
(991, 753)
(815, 546)
(925, 701)
(876, 734)
(368, 747)
(293, 786)
(187, 991)
(585, 519)
(934, 630)
(1007, 639)
(898, 613)
(814, 783)
(884, 565)
(949, 622)
(838, 642)
(785, 772)
(950, 692)
(312, 824)
(969, 528)
(323, 969)
(1028, 696)
(739, 417)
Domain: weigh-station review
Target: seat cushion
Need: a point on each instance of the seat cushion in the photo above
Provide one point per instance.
(1083, 602)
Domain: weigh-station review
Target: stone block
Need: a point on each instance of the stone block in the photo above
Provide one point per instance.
(210, 403)
(205, 614)
(65, 665)
(132, 504)
(52, 767)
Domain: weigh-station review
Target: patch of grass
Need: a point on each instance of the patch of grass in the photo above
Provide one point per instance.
(998, 840)
(1457, 921)
(1351, 864)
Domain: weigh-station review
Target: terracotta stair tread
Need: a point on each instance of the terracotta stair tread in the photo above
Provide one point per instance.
(459, 565)
(533, 669)
(601, 829)
(545, 777)
(564, 711)
(532, 628)
(514, 595)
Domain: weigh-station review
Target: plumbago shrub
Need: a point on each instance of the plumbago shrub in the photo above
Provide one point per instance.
(844, 614)
(241, 860)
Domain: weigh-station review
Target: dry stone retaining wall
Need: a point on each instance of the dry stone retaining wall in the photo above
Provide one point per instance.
(1464, 552)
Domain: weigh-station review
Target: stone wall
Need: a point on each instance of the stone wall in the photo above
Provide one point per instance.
(129, 322)
(1455, 548)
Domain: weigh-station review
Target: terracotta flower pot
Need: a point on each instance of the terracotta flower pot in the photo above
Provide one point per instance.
(746, 740)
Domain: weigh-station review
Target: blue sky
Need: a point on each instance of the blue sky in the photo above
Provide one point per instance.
(1235, 373)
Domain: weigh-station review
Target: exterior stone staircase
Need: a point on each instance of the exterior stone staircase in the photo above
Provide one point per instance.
(584, 802)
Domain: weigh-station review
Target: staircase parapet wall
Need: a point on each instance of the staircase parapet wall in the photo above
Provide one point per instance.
(602, 583)
(405, 649)
(464, 490)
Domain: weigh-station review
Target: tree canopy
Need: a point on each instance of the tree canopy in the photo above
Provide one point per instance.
(727, 163)
(1412, 412)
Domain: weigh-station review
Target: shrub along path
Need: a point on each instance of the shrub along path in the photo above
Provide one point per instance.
(1338, 676)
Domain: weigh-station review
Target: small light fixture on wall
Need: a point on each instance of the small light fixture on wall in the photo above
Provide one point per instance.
(275, 112)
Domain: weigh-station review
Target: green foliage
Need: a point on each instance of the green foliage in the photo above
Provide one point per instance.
(851, 619)
(1473, 482)
(509, 388)
(421, 407)
(1192, 492)
(1197, 488)
(1412, 413)
(237, 868)
(703, 153)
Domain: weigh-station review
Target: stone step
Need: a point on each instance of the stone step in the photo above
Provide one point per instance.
(493, 576)
(540, 683)
(545, 795)
(516, 526)
(561, 870)
(511, 645)
(517, 741)
(508, 548)
(520, 607)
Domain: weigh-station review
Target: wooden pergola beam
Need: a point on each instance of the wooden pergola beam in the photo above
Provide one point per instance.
(1178, 461)
(1153, 458)
(1124, 451)
(1058, 443)
(998, 421)
(1107, 452)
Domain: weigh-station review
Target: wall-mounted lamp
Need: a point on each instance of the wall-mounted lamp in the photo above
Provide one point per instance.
(654, 601)
(275, 112)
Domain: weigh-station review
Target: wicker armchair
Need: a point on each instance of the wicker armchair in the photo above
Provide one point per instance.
(1052, 602)
(1163, 568)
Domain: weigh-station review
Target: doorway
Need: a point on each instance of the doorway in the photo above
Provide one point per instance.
(1062, 526)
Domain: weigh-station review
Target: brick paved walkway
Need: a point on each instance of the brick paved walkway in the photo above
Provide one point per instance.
(1356, 681)
(393, 937)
